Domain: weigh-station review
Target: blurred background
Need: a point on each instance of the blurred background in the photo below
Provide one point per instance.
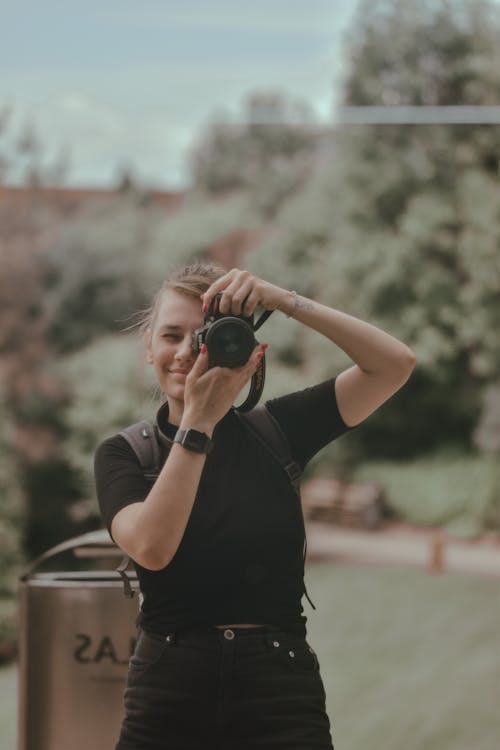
(349, 151)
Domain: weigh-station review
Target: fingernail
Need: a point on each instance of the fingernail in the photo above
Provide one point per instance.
(260, 355)
(203, 348)
(264, 346)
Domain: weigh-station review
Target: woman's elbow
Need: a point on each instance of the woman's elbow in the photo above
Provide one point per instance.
(401, 368)
(152, 558)
(149, 550)
(146, 554)
(409, 361)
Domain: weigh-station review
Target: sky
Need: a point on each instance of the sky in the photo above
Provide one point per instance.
(132, 83)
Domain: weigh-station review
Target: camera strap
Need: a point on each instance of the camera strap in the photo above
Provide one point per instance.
(256, 387)
(259, 376)
(265, 315)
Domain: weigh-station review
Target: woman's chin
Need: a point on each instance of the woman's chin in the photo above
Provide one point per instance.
(174, 391)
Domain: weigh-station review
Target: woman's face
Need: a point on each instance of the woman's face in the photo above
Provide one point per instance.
(169, 344)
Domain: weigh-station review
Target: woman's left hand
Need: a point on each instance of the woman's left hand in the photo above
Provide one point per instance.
(242, 293)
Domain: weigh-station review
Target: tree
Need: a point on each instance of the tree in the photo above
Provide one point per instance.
(407, 232)
(269, 155)
(417, 231)
(32, 397)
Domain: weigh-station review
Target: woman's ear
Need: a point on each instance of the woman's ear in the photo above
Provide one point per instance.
(149, 351)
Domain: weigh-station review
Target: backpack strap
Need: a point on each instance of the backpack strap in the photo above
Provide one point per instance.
(267, 430)
(261, 423)
(128, 591)
(143, 440)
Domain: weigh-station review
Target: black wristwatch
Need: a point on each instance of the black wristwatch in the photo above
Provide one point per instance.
(194, 441)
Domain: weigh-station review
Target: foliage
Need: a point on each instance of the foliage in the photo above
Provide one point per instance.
(190, 233)
(111, 388)
(487, 433)
(406, 233)
(460, 493)
(433, 52)
(419, 225)
(120, 253)
(40, 483)
(96, 264)
(54, 488)
(11, 512)
(269, 155)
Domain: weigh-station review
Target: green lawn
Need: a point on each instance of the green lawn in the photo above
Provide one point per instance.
(8, 712)
(410, 661)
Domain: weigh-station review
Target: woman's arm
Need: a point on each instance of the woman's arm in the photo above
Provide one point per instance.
(382, 364)
(150, 531)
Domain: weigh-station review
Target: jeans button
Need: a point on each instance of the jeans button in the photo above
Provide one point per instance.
(229, 634)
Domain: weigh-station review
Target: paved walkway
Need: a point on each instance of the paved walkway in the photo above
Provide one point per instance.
(400, 544)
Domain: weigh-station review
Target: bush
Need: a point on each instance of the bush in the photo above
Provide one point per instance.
(8, 630)
(458, 492)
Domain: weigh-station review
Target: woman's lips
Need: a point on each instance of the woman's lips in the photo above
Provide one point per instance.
(180, 374)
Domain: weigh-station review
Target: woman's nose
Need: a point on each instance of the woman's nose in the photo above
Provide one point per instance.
(185, 349)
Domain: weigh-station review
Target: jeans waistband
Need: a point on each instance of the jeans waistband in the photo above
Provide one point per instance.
(212, 633)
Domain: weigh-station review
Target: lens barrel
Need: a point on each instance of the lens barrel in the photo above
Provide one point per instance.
(230, 342)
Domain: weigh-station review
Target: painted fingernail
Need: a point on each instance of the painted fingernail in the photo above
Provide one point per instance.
(260, 355)
(203, 348)
(264, 346)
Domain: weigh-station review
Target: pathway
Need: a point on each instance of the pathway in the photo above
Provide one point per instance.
(402, 544)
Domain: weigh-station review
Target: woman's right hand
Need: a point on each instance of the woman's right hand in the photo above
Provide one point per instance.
(209, 393)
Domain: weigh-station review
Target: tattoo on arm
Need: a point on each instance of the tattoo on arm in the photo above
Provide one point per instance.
(303, 304)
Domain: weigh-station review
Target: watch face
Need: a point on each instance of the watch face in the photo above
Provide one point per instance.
(193, 441)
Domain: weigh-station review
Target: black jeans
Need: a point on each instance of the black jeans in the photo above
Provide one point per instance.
(234, 689)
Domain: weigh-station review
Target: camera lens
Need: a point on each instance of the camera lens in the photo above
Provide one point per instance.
(230, 342)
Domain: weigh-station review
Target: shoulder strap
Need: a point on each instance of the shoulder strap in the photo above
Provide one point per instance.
(142, 439)
(267, 430)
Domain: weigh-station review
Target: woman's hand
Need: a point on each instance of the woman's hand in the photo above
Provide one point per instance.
(210, 393)
(242, 293)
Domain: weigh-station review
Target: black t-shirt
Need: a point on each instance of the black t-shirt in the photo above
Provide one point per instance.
(241, 556)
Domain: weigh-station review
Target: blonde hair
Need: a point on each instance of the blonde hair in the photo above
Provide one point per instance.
(192, 280)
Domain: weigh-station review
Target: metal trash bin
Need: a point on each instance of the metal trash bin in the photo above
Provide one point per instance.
(77, 632)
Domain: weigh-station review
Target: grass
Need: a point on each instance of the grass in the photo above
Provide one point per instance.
(409, 661)
(8, 707)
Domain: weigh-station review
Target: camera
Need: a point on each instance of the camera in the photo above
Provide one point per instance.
(229, 338)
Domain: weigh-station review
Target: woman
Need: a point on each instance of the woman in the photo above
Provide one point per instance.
(217, 540)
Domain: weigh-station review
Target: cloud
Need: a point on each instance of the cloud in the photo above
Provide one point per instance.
(137, 85)
(101, 139)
